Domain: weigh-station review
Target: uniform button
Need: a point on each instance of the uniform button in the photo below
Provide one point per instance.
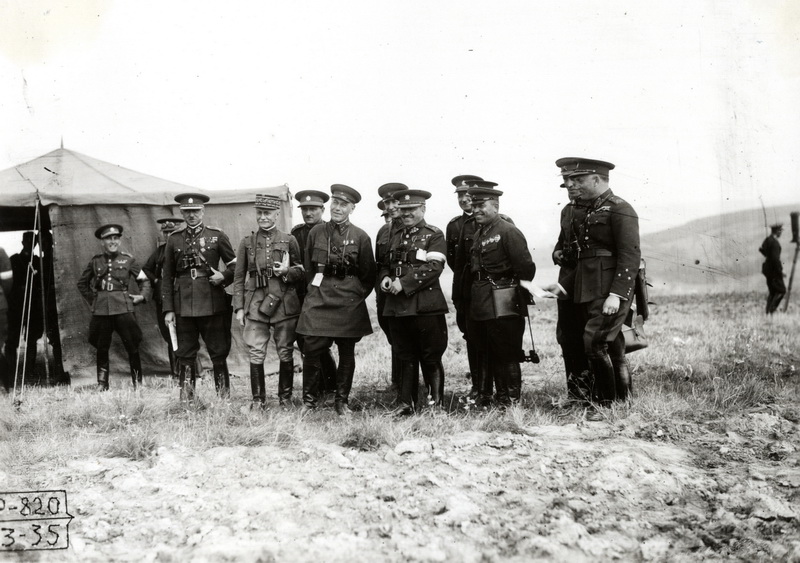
(585, 238)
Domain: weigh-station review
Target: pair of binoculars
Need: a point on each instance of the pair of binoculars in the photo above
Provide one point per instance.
(531, 356)
(190, 261)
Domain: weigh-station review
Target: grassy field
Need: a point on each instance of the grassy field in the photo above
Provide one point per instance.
(719, 382)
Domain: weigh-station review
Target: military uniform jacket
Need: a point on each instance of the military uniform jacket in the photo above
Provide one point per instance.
(337, 307)
(104, 283)
(300, 232)
(771, 249)
(260, 251)
(460, 236)
(382, 241)
(568, 243)
(499, 257)
(609, 255)
(185, 289)
(416, 257)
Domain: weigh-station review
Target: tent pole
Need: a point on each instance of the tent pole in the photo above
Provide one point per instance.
(42, 292)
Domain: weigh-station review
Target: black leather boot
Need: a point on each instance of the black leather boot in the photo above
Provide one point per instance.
(408, 389)
(483, 381)
(622, 374)
(604, 388)
(102, 378)
(136, 369)
(500, 375)
(434, 378)
(327, 372)
(285, 383)
(474, 363)
(396, 374)
(222, 379)
(187, 376)
(344, 382)
(311, 381)
(514, 382)
(258, 386)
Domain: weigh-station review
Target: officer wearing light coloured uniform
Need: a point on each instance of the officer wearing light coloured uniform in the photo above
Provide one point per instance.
(265, 297)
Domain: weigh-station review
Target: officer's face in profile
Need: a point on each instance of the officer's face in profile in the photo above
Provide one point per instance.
(111, 243)
(465, 201)
(587, 186)
(312, 214)
(412, 215)
(193, 217)
(340, 209)
(485, 211)
(572, 189)
(266, 218)
(392, 208)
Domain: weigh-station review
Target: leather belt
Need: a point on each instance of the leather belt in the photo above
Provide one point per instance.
(593, 253)
(193, 273)
(481, 275)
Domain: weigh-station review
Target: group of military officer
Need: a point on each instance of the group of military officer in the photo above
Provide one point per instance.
(310, 286)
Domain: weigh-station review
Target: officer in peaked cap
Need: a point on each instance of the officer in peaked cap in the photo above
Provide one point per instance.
(341, 273)
(198, 264)
(153, 269)
(569, 328)
(459, 232)
(104, 286)
(499, 260)
(384, 213)
(312, 206)
(415, 305)
(268, 271)
(392, 225)
(608, 258)
(772, 268)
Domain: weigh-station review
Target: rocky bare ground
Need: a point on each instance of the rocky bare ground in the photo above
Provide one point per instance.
(724, 489)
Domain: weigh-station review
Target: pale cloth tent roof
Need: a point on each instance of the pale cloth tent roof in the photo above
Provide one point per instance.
(79, 193)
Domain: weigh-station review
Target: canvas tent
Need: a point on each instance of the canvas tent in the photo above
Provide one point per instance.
(78, 193)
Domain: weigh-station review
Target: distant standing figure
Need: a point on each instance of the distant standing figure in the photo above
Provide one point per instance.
(773, 269)
(153, 270)
(25, 308)
(104, 285)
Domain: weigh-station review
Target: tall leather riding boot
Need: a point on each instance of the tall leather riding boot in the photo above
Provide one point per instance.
(514, 382)
(285, 383)
(408, 388)
(102, 375)
(222, 379)
(434, 378)
(472, 360)
(344, 382)
(258, 385)
(500, 374)
(622, 374)
(187, 376)
(483, 381)
(327, 371)
(396, 375)
(135, 362)
(311, 381)
(604, 388)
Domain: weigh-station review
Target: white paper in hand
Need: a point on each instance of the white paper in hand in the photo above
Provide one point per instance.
(537, 291)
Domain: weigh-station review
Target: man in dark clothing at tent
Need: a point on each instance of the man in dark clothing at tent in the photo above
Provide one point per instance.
(772, 268)
(153, 270)
(6, 282)
(25, 307)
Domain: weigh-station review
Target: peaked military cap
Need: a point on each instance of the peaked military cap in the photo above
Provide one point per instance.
(572, 166)
(460, 182)
(192, 201)
(108, 230)
(776, 227)
(411, 198)
(483, 190)
(387, 191)
(169, 219)
(311, 198)
(267, 202)
(345, 193)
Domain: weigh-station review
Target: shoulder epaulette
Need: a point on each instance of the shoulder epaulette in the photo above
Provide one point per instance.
(213, 228)
(298, 227)
(433, 228)
(177, 230)
(454, 219)
(616, 199)
(127, 254)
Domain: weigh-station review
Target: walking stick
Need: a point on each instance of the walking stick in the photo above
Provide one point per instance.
(795, 216)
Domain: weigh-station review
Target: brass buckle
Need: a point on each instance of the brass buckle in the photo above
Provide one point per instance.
(193, 273)
(398, 271)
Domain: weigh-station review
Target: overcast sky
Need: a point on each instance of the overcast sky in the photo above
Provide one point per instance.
(696, 102)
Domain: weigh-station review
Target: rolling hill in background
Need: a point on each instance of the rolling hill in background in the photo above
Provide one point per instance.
(716, 253)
